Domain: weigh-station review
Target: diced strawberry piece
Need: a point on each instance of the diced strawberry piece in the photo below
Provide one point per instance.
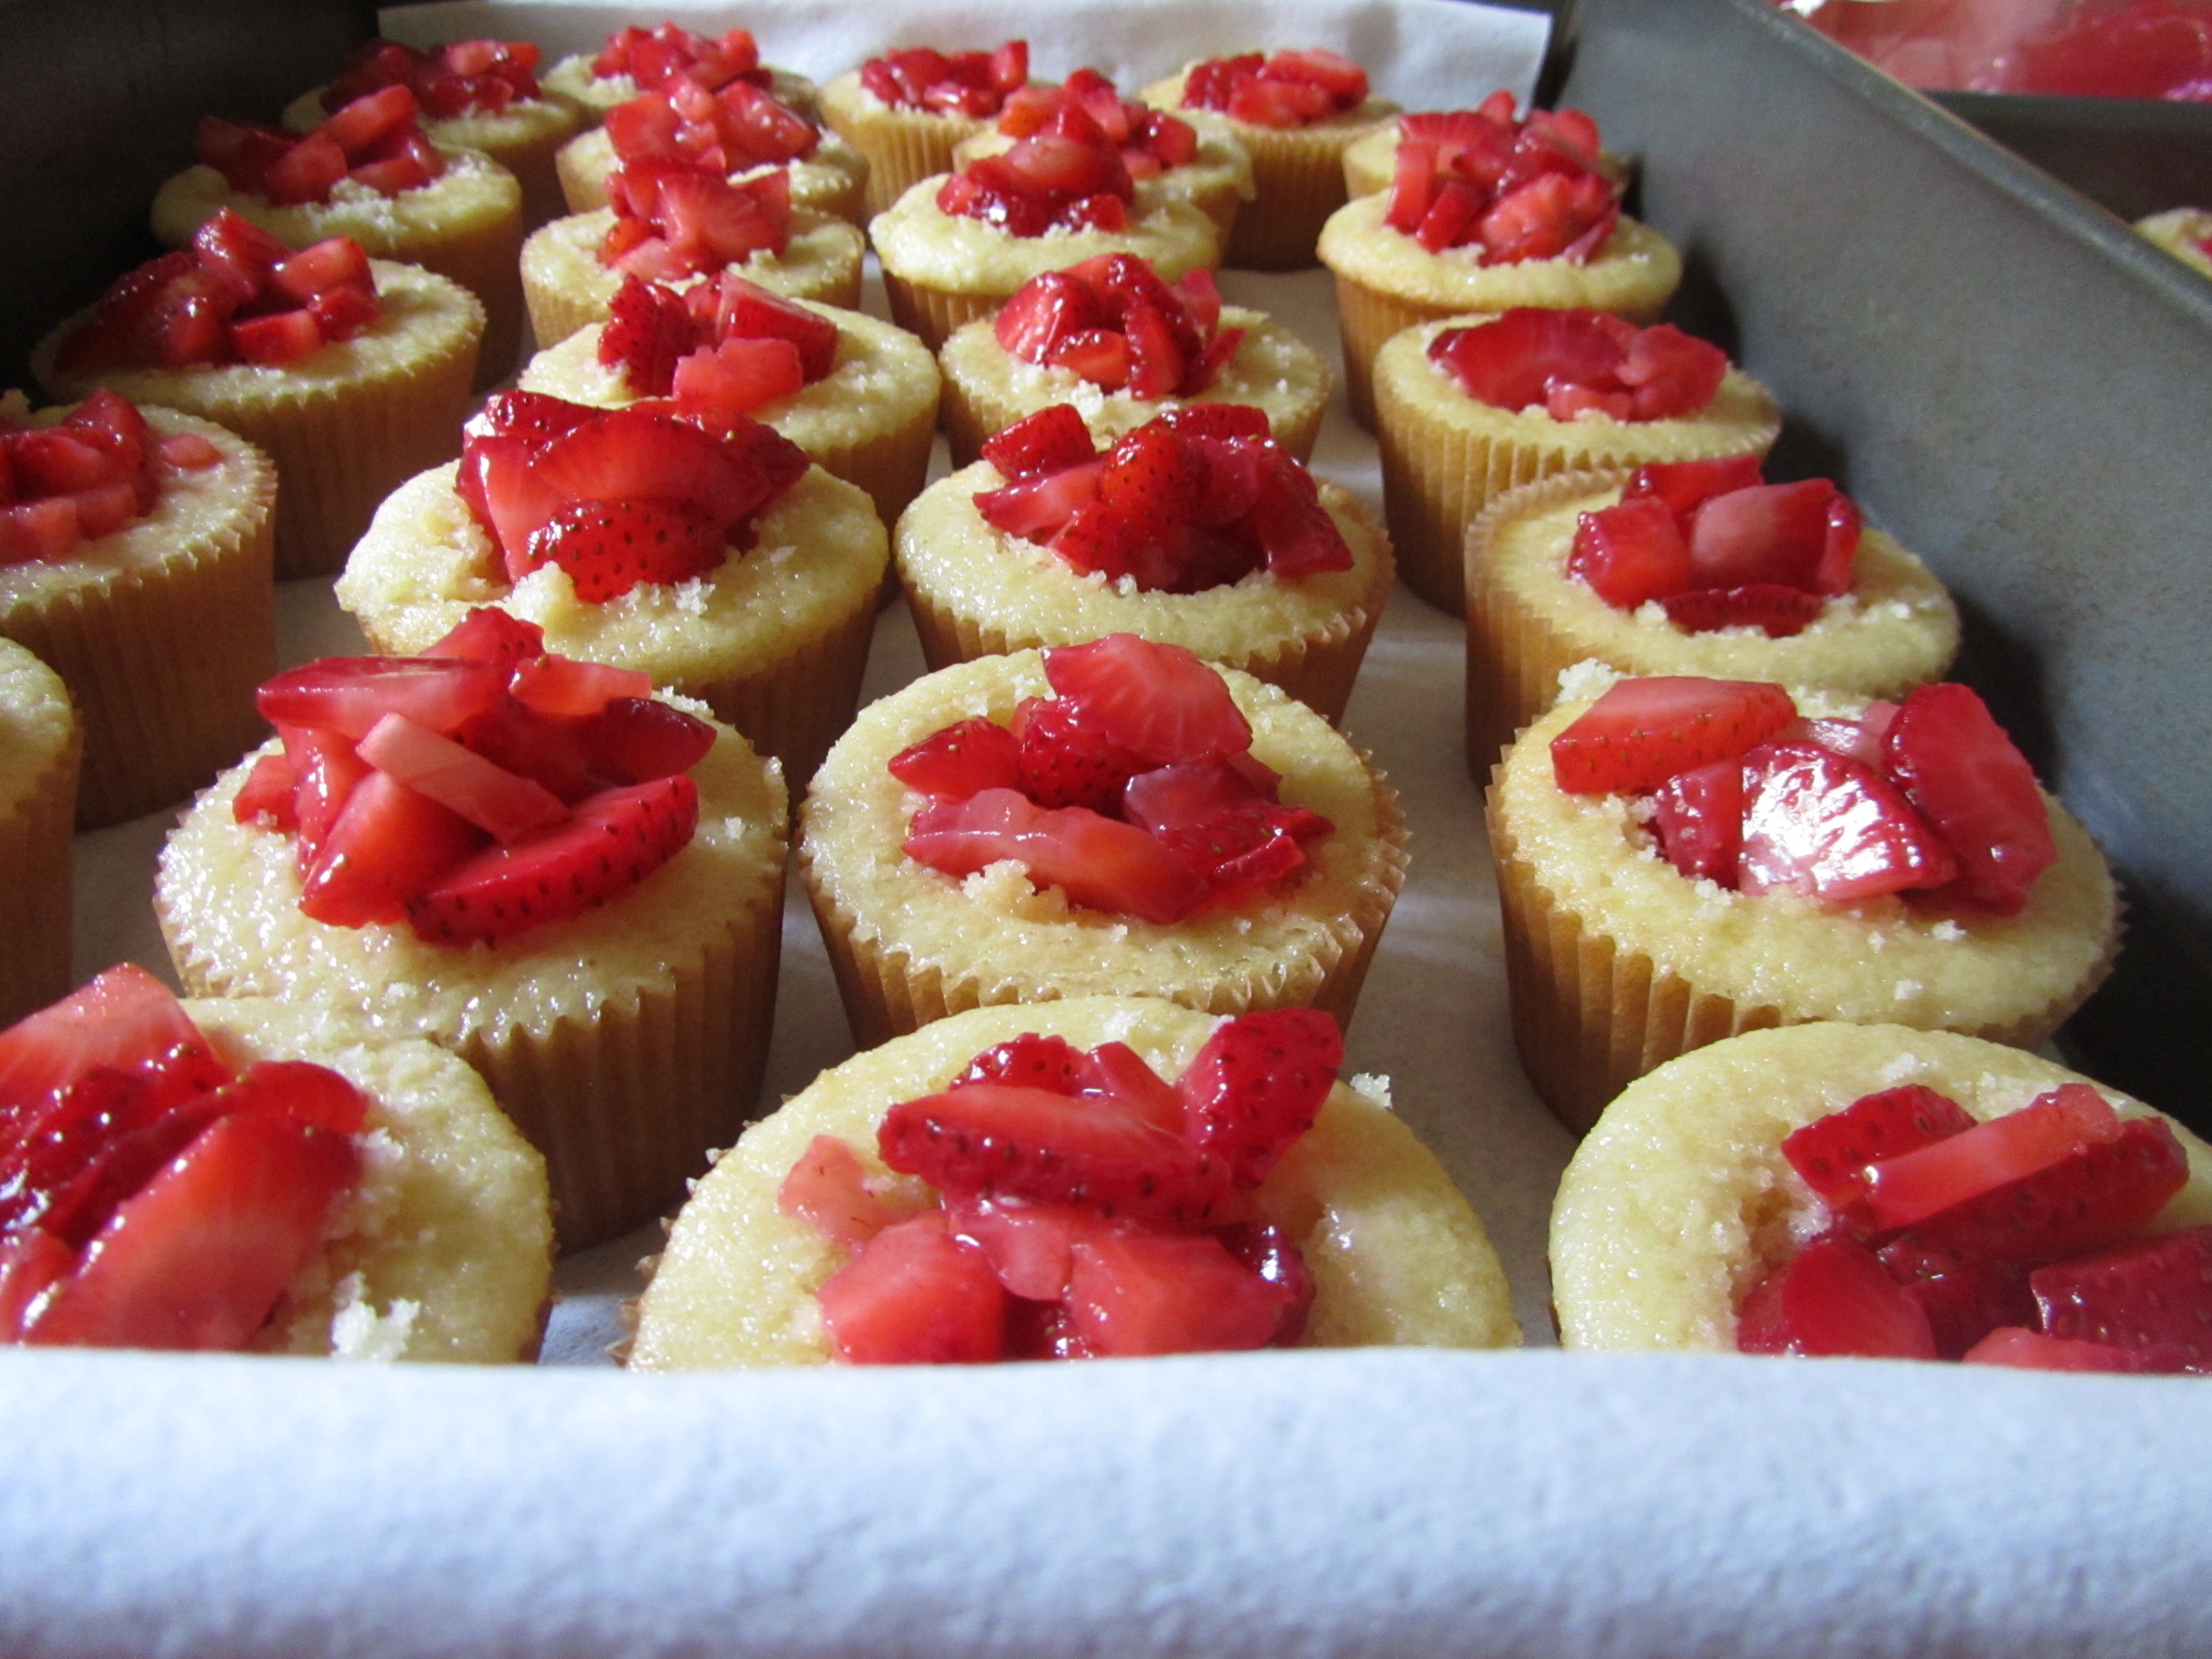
(1279, 103)
(1642, 731)
(1006, 1140)
(1158, 367)
(243, 154)
(1511, 363)
(298, 1088)
(1035, 1059)
(1155, 472)
(1100, 355)
(1050, 440)
(489, 635)
(187, 451)
(1267, 1250)
(1831, 829)
(495, 800)
(1120, 1073)
(1039, 506)
(1684, 486)
(1064, 760)
(616, 840)
(1956, 1169)
(2029, 1349)
(570, 689)
(1697, 816)
(106, 508)
(1830, 1152)
(349, 695)
(1413, 186)
(1171, 797)
(609, 546)
(828, 1190)
(1242, 847)
(46, 531)
(1764, 533)
(1833, 1298)
(740, 374)
(199, 1256)
(56, 460)
(1216, 421)
(1673, 374)
(32, 1261)
(1044, 311)
(2091, 1198)
(1964, 1298)
(1258, 1085)
(648, 329)
(915, 1296)
(388, 842)
(2157, 1294)
(1099, 862)
(637, 739)
(960, 760)
(1629, 553)
(1158, 701)
(1976, 789)
(239, 252)
(276, 339)
(1151, 1293)
(121, 1017)
(1839, 550)
(532, 416)
(306, 173)
(748, 311)
(1028, 1245)
(324, 771)
(617, 454)
(265, 798)
(372, 118)
(1775, 611)
(1115, 541)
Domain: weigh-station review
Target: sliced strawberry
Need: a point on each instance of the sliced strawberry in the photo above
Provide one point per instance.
(1775, 611)
(1642, 731)
(326, 771)
(828, 1190)
(1684, 486)
(748, 311)
(1831, 829)
(915, 1296)
(1063, 760)
(349, 695)
(1976, 789)
(2030, 1350)
(1629, 553)
(490, 634)
(571, 690)
(739, 375)
(1267, 1250)
(1153, 1293)
(278, 339)
(1217, 421)
(242, 254)
(120, 1018)
(506, 806)
(1034, 1060)
(305, 173)
(1100, 355)
(1120, 1073)
(1044, 311)
(2093, 1198)
(1155, 472)
(1830, 1152)
(616, 840)
(1964, 1298)
(1258, 1085)
(648, 329)
(633, 739)
(1099, 863)
(1242, 847)
(265, 800)
(388, 842)
(2157, 1294)
(1051, 440)
(372, 118)
(1512, 362)
(1160, 701)
(609, 546)
(961, 759)
(31, 1262)
(1833, 1298)
(1697, 816)
(1766, 533)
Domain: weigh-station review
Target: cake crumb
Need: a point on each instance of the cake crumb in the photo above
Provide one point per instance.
(1587, 680)
(1375, 1088)
(359, 1332)
(1947, 930)
(1907, 989)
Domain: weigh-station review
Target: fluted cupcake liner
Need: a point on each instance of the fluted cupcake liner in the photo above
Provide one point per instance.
(931, 313)
(903, 146)
(36, 863)
(796, 705)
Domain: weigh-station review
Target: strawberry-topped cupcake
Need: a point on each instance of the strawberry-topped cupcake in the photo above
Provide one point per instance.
(734, 129)
(370, 174)
(529, 860)
(1470, 408)
(1506, 213)
(40, 744)
(906, 110)
(701, 550)
(1096, 1178)
(858, 395)
(1113, 818)
(1371, 163)
(253, 1176)
(1211, 169)
(1111, 337)
(135, 561)
(635, 59)
(1683, 859)
(1294, 112)
(1195, 529)
(957, 246)
(1889, 1192)
(675, 222)
(475, 95)
(349, 374)
(1689, 567)
(2185, 233)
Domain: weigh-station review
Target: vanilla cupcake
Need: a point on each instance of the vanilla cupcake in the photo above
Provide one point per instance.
(833, 180)
(979, 592)
(869, 421)
(1680, 1200)
(342, 426)
(873, 108)
(986, 387)
(1528, 620)
(1371, 163)
(1446, 454)
(1618, 961)
(596, 83)
(162, 627)
(39, 743)
(1396, 1255)
(566, 286)
(911, 944)
(624, 1040)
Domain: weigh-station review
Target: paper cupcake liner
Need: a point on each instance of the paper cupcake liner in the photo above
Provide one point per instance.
(891, 466)
(35, 885)
(797, 705)
(484, 259)
(890, 990)
(903, 147)
(1299, 173)
(162, 664)
(1590, 1017)
(534, 162)
(932, 313)
(1366, 317)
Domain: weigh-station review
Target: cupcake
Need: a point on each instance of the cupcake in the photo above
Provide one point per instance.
(1111, 337)
(1210, 170)
(1345, 1233)
(575, 887)
(476, 95)
(349, 374)
(153, 601)
(725, 567)
(2185, 233)
(906, 110)
(1689, 567)
(1294, 112)
(636, 60)
(1491, 132)
(858, 395)
(369, 173)
(956, 246)
(1682, 860)
(672, 226)
(1464, 412)
(39, 743)
(1473, 231)
(1024, 548)
(735, 130)
(1032, 894)
(1710, 1184)
(273, 1178)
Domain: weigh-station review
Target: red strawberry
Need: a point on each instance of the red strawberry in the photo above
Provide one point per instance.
(569, 689)
(121, 1017)
(648, 328)
(915, 1296)
(1777, 611)
(1099, 355)
(1829, 1152)
(1268, 1251)
(1684, 486)
(1960, 768)
(1831, 828)
(264, 798)
(1629, 553)
(386, 844)
(1097, 862)
(1048, 441)
(1642, 732)
(961, 759)
(1697, 816)
(1065, 761)
(497, 801)
(1671, 373)
(324, 772)
(736, 377)
(746, 310)
(1964, 1300)
(1221, 420)
(616, 840)
(349, 695)
(490, 634)
(636, 739)
(1767, 533)
(1033, 1060)
(1293, 529)
(1242, 847)
(609, 547)
(1512, 362)
(1258, 1085)
(1154, 474)
(2093, 1198)
(2033, 1351)
(1158, 701)
(828, 1190)
(1149, 1293)
(1044, 311)
(1833, 1298)
(2158, 1293)
(1960, 1169)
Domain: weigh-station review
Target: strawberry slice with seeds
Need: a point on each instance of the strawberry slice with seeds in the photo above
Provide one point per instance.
(1775, 611)
(1833, 1298)
(1642, 731)
(1831, 829)
(1512, 362)
(1684, 486)
(2157, 1294)
(1963, 772)
(960, 760)
(490, 634)
(1160, 701)
(1154, 473)
(1044, 311)
(609, 546)
(1629, 553)
(828, 1190)
(1133, 1293)
(567, 689)
(747, 311)
(1964, 1300)
(616, 840)
(1258, 1085)
(648, 329)
(1035, 1059)
(636, 739)
(1830, 1152)
(1766, 533)
(2093, 1198)
(121, 1016)
(1697, 816)
(1097, 862)
(1064, 760)
(1051, 440)
(915, 1296)
(506, 806)
(387, 843)
(349, 695)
